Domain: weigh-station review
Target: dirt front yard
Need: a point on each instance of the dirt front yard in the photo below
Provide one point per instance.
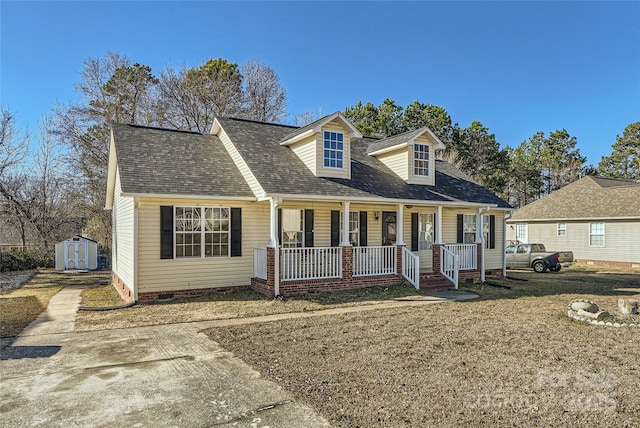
(510, 358)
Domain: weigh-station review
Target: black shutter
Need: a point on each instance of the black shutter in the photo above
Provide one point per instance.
(363, 228)
(166, 232)
(414, 231)
(308, 228)
(236, 232)
(460, 229)
(279, 231)
(492, 231)
(335, 228)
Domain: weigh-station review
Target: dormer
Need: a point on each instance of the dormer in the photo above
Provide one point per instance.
(411, 156)
(325, 145)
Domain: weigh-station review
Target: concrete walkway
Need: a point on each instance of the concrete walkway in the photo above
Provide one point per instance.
(160, 376)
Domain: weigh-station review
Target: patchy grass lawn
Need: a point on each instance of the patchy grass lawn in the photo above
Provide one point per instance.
(510, 358)
(225, 305)
(22, 305)
(100, 296)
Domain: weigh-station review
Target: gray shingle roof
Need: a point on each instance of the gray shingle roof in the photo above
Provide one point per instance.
(395, 140)
(279, 170)
(161, 161)
(589, 197)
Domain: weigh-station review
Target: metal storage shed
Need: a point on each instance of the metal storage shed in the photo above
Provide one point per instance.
(78, 253)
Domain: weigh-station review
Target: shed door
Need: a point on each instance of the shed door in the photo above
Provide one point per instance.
(76, 255)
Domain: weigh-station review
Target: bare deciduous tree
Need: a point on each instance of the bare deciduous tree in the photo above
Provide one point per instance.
(265, 98)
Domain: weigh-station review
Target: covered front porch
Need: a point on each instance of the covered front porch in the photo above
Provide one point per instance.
(291, 264)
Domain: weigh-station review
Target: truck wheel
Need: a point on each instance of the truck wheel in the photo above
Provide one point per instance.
(539, 267)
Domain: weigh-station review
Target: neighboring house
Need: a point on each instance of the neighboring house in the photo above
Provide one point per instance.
(194, 212)
(596, 218)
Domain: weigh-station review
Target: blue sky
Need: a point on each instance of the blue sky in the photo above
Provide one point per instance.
(518, 67)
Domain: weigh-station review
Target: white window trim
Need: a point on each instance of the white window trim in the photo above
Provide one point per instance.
(202, 233)
(429, 245)
(564, 229)
(341, 151)
(603, 235)
(302, 225)
(427, 160)
(525, 227)
(356, 214)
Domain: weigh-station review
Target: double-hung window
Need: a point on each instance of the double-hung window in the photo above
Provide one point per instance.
(354, 227)
(333, 149)
(292, 228)
(425, 232)
(469, 229)
(562, 229)
(521, 232)
(201, 232)
(596, 234)
(421, 159)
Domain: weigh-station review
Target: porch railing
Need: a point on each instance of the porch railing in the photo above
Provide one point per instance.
(311, 263)
(260, 263)
(467, 255)
(369, 261)
(411, 267)
(449, 265)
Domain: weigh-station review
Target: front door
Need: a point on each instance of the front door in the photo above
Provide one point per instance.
(388, 228)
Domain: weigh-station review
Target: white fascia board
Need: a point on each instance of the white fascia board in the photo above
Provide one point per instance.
(172, 196)
(365, 199)
(215, 128)
(438, 144)
(111, 174)
(392, 148)
(547, 220)
(299, 137)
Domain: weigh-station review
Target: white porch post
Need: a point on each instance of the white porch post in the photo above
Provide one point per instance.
(345, 225)
(273, 224)
(439, 225)
(480, 239)
(400, 225)
(273, 232)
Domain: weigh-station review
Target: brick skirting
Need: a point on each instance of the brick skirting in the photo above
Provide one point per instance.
(122, 289)
(608, 264)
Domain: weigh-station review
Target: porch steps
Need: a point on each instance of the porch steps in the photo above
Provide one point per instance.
(434, 282)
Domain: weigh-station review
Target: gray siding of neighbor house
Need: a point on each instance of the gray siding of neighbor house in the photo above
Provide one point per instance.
(622, 239)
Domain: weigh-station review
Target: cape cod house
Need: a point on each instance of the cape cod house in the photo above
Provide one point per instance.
(597, 218)
(290, 210)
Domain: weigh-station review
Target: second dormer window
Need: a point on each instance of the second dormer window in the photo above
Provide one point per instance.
(421, 159)
(333, 149)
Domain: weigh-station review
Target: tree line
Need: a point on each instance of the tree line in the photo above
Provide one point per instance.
(58, 189)
(537, 167)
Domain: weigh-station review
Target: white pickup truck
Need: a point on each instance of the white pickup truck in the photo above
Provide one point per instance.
(537, 257)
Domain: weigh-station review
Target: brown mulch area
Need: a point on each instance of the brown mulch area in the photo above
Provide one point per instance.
(511, 358)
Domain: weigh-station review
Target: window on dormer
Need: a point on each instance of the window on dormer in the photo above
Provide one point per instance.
(421, 159)
(333, 149)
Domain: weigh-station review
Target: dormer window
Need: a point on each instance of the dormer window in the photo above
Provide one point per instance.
(421, 160)
(333, 149)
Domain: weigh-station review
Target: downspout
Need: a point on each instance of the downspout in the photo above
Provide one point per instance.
(481, 212)
(504, 240)
(136, 203)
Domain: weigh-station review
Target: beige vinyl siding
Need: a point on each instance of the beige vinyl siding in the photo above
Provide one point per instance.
(493, 256)
(621, 237)
(419, 179)
(123, 236)
(306, 151)
(334, 126)
(242, 166)
(397, 161)
(155, 274)
(60, 256)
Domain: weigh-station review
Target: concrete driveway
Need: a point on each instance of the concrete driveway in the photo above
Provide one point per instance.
(159, 376)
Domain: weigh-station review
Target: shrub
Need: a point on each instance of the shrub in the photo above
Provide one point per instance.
(26, 259)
